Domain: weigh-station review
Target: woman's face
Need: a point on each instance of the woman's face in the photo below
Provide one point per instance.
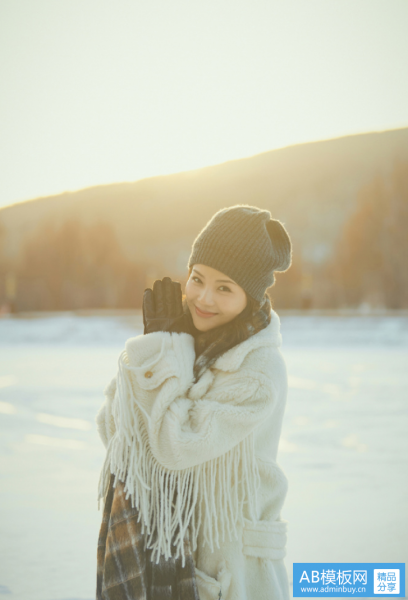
(211, 291)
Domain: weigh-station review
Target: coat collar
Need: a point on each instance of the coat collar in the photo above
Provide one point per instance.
(269, 336)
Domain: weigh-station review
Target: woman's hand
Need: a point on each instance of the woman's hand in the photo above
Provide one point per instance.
(163, 308)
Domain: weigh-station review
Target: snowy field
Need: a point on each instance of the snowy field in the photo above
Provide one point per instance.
(344, 444)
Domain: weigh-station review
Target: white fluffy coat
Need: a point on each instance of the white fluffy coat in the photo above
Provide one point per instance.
(216, 441)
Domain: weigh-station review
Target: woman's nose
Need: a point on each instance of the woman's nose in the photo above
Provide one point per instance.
(206, 297)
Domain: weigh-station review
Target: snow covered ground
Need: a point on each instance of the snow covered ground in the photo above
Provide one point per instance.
(344, 444)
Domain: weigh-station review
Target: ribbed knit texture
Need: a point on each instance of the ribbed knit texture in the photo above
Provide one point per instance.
(246, 244)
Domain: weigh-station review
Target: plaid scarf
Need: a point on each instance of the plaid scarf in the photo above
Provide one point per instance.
(125, 568)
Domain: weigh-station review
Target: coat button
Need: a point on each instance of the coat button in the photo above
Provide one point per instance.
(148, 374)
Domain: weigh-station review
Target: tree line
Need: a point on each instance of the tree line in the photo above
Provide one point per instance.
(370, 263)
(73, 265)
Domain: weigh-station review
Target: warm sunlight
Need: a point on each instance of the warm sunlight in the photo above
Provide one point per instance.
(163, 87)
(203, 299)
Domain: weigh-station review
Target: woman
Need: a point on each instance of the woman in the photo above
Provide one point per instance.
(192, 421)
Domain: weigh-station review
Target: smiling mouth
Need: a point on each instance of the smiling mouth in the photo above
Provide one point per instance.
(202, 313)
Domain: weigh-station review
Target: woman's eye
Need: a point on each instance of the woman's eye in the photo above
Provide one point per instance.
(223, 288)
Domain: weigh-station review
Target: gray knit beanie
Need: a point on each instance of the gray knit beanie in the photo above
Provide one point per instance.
(246, 244)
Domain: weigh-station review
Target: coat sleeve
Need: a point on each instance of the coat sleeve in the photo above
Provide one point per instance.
(185, 432)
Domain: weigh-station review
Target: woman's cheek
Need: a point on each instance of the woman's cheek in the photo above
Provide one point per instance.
(188, 291)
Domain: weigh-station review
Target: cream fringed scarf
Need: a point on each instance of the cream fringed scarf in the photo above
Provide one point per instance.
(209, 496)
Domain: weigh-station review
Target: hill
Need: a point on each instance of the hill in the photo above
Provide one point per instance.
(311, 187)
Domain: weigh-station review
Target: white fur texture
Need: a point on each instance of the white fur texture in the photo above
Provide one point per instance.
(216, 442)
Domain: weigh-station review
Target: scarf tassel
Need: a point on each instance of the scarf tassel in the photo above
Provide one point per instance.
(210, 495)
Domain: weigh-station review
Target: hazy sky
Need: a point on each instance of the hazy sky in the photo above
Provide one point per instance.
(97, 91)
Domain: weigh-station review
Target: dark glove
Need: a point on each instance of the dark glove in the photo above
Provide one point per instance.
(163, 308)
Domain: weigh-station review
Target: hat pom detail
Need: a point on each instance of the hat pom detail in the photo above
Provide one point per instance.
(281, 244)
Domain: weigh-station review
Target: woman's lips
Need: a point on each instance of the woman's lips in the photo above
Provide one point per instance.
(200, 313)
